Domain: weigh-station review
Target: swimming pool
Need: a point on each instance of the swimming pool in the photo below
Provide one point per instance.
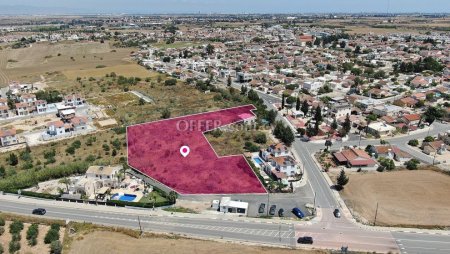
(124, 197)
(258, 160)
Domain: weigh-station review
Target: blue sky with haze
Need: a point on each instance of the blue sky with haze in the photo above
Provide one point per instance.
(219, 6)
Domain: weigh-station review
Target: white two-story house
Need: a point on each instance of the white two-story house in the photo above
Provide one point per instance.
(8, 137)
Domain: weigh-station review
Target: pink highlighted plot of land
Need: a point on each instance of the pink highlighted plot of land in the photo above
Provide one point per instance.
(154, 150)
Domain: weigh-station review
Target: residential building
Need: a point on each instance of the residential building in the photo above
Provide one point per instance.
(8, 137)
(354, 158)
(434, 147)
(107, 174)
(284, 164)
(380, 129)
(73, 100)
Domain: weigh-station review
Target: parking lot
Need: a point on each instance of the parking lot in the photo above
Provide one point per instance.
(286, 201)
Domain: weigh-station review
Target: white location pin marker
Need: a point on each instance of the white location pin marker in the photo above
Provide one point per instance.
(184, 150)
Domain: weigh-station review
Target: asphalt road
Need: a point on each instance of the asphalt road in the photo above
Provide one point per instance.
(247, 231)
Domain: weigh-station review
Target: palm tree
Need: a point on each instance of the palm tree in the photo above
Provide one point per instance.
(65, 181)
(172, 196)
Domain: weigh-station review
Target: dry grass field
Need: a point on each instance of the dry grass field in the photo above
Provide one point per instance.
(129, 70)
(405, 198)
(232, 142)
(32, 62)
(102, 242)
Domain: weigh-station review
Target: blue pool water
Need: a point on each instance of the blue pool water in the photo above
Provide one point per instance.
(125, 197)
(258, 160)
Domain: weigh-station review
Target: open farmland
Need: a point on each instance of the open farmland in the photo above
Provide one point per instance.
(405, 198)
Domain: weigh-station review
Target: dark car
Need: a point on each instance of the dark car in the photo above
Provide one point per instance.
(281, 212)
(262, 207)
(337, 213)
(305, 240)
(272, 210)
(298, 212)
(39, 211)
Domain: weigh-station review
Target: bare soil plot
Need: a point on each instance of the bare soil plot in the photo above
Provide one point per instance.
(29, 63)
(129, 70)
(107, 243)
(405, 198)
(233, 142)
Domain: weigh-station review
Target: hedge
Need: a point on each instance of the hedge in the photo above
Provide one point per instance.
(137, 204)
(38, 195)
(32, 177)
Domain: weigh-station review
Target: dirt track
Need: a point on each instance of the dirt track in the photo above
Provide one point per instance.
(404, 197)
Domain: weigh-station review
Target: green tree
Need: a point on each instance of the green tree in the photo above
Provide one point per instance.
(334, 124)
(172, 197)
(209, 49)
(13, 160)
(52, 235)
(2, 172)
(413, 142)
(65, 181)
(305, 107)
(428, 139)
(342, 179)
(412, 164)
(290, 100)
(229, 81)
(56, 247)
(260, 138)
(282, 101)
(297, 104)
(318, 114)
(328, 144)
(14, 246)
(346, 127)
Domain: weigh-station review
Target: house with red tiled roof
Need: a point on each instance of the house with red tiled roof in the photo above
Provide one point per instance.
(8, 137)
(411, 119)
(406, 102)
(354, 158)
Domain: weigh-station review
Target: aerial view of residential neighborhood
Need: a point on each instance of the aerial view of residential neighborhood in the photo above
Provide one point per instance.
(213, 126)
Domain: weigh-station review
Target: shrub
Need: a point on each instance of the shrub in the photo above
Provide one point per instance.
(2, 230)
(412, 164)
(413, 142)
(14, 247)
(70, 150)
(2, 221)
(15, 227)
(260, 138)
(55, 226)
(32, 242)
(170, 82)
(32, 231)
(251, 147)
(16, 237)
(1, 249)
(52, 235)
(56, 247)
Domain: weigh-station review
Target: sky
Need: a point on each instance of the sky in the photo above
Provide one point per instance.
(220, 6)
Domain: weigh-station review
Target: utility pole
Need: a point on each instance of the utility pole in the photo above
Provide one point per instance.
(140, 226)
(376, 212)
(314, 201)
